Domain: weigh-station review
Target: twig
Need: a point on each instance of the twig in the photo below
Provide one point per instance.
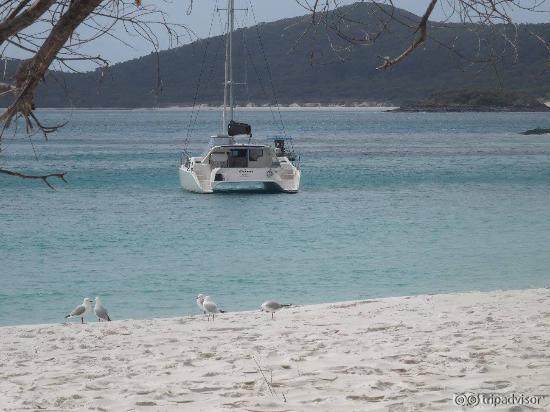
(269, 384)
(44, 178)
(423, 29)
(265, 379)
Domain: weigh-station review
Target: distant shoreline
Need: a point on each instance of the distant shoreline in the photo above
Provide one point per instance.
(312, 107)
(469, 109)
(480, 101)
(239, 108)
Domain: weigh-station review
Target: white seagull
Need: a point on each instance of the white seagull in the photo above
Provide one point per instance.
(272, 306)
(210, 307)
(81, 310)
(199, 300)
(101, 311)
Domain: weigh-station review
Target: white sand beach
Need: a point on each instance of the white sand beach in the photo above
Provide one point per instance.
(397, 354)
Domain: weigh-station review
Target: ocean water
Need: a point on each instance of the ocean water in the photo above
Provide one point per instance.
(390, 204)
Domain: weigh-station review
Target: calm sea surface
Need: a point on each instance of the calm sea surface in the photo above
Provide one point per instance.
(390, 204)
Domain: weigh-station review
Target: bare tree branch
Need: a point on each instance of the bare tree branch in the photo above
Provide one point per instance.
(50, 31)
(14, 23)
(489, 20)
(44, 178)
(31, 72)
(423, 32)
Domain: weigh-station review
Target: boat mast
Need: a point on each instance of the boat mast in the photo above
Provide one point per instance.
(228, 97)
(231, 29)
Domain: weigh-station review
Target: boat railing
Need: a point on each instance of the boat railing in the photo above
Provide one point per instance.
(291, 155)
(185, 158)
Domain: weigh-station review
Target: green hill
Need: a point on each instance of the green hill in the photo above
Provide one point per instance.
(307, 69)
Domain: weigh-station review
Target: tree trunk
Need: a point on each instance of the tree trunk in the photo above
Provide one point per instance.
(31, 72)
(15, 22)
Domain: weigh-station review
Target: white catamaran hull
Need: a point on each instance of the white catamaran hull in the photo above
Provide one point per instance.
(229, 162)
(286, 180)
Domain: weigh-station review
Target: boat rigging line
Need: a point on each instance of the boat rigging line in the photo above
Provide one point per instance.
(271, 97)
(194, 115)
(268, 68)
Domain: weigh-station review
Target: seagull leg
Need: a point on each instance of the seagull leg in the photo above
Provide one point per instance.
(272, 313)
(82, 320)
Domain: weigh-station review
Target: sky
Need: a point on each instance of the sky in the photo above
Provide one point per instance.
(198, 21)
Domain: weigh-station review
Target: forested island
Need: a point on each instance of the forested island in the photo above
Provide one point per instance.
(472, 100)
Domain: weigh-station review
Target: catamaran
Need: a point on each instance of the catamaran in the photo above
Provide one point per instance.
(231, 158)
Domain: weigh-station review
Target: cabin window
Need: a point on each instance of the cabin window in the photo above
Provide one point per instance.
(255, 154)
(238, 158)
(238, 152)
(219, 157)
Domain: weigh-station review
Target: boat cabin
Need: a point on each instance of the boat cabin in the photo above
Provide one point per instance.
(242, 157)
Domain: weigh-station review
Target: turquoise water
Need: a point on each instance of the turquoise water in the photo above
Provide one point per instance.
(391, 204)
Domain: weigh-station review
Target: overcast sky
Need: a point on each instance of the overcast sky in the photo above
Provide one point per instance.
(265, 10)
